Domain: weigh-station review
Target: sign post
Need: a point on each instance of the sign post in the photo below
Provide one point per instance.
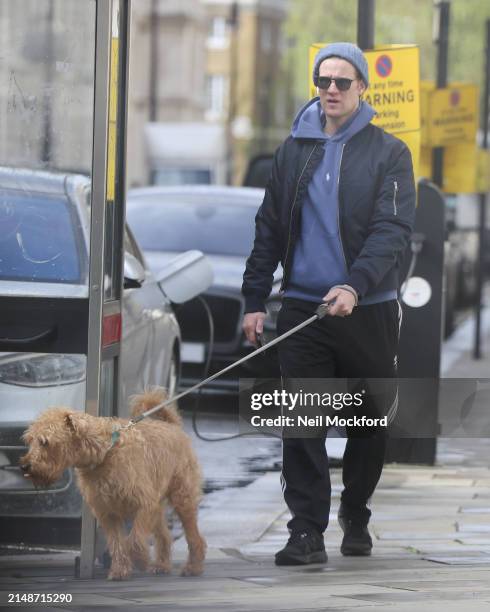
(483, 200)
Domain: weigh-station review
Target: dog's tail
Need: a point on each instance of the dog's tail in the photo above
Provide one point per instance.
(151, 398)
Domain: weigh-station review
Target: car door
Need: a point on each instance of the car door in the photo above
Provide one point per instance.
(149, 329)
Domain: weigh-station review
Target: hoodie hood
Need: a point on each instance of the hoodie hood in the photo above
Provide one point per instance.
(310, 121)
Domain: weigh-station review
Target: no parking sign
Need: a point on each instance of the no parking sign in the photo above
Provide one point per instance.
(384, 65)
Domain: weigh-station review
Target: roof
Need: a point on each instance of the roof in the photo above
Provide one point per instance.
(251, 193)
(43, 181)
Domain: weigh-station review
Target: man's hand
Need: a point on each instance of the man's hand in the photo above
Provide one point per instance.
(253, 324)
(343, 302)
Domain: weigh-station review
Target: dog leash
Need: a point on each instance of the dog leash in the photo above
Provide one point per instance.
(320, 312)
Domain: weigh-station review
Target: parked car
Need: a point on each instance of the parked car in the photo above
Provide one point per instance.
(44, 242)
(219, 221)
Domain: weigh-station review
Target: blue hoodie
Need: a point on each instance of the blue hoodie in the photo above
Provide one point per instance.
(318, 262)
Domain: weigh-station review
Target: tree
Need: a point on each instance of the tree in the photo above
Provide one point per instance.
(396, 21)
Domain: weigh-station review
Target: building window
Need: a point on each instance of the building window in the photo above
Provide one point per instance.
(218, 33)
(215, 96)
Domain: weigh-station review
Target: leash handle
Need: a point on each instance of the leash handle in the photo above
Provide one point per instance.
(322, 310)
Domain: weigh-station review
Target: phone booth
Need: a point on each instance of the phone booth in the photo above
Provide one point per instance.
(64, 79)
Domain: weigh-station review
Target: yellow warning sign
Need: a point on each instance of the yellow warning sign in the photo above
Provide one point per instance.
(393, 92)
(112, 131)
(460, 168)
(453, 115)
(483, 171)
(426, 88)
(466, 168)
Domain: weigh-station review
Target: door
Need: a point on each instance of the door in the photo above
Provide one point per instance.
(62, 155)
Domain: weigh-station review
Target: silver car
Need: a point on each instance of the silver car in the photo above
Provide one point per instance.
(219, 221)
(44, 242)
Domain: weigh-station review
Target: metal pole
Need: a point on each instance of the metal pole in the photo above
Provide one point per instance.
(442, 41)
(97, 238)
(365, 23)
(154, 26)
(477, 354)
(233, 74)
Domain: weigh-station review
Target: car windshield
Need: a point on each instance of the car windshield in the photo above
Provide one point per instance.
(212, 224)
(37, 238)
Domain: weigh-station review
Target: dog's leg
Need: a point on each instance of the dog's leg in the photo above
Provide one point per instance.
(121, 566)
(186, 508)
(138, 539)
(163, 542)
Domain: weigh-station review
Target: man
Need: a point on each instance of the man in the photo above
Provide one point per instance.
(337, 213)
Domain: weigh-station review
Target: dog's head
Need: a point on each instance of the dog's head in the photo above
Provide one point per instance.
(55, 441)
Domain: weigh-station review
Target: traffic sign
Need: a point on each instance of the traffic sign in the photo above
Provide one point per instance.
(394, 88)
(453, 115)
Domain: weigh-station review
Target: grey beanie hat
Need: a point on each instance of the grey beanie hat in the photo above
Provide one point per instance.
(346, 51)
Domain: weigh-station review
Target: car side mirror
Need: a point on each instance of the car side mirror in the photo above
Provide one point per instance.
(186, 276)
(134, 273)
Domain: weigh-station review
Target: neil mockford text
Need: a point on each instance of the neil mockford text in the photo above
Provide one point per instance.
(302, 399)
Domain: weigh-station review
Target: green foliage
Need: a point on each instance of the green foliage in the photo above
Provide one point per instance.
(312, 21)
(396, 21)
(467, 40)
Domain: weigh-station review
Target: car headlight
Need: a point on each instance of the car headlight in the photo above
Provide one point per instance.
(42, 370)
(272, 307)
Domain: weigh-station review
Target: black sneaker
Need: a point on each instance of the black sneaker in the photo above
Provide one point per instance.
(303, 547)
(356, 541)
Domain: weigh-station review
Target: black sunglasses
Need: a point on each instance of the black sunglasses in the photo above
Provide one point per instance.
(342, 83)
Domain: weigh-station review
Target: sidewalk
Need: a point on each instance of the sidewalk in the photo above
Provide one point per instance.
(430, 525)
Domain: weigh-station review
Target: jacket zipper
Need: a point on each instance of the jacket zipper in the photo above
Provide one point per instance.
(338, 209)
(395, 192)
(291, 215)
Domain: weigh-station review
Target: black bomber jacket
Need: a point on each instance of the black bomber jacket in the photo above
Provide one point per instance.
(376, 212)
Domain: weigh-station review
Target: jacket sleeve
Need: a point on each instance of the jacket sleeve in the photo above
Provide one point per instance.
(266, 251)
(390, 226)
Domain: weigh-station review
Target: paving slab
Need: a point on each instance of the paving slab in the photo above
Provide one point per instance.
(431, 528)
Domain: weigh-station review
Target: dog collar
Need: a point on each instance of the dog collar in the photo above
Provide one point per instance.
(114, 438)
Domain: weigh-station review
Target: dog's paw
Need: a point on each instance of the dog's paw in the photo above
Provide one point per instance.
(160, 568)
(118, 575)
(191, 570)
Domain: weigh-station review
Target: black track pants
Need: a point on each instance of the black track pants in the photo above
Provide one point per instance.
(362, 345)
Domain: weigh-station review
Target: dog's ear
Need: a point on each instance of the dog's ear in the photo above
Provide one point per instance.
(75, 422)
(27, 437)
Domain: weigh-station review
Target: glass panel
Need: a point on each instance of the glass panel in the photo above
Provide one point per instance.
(175, 222)
(47, 69)
(46, 113)
(182, 176)
(41, 238)
(29, 384)
(107, 372)
(112, 280)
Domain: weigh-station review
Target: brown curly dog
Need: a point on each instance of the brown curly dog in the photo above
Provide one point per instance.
(149, 463)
